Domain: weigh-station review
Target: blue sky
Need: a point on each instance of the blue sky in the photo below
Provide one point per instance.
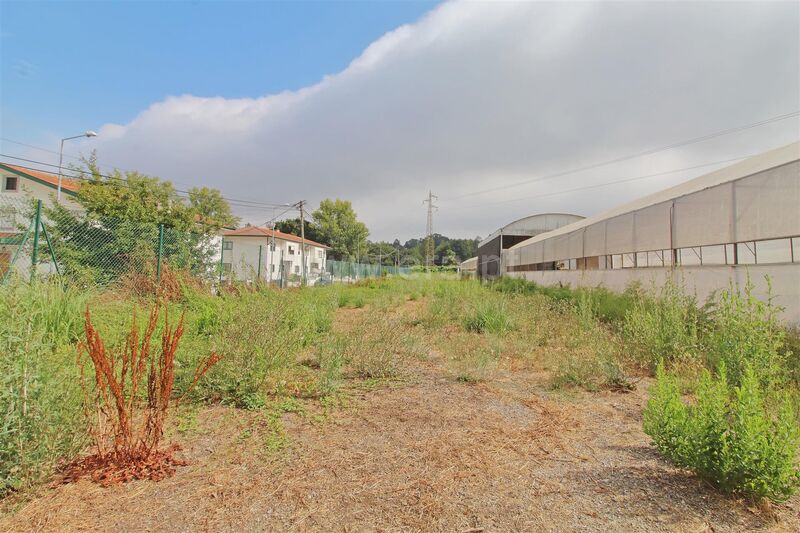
(71, 66)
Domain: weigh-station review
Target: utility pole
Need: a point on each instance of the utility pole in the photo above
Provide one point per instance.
(301, 205)
(429, 230)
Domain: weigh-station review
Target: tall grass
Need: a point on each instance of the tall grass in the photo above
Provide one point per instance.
(664, 327)
(40, 397)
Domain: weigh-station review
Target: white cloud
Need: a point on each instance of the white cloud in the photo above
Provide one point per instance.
(475, 95)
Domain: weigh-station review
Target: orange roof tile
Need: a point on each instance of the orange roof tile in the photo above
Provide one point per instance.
(258, 231)
(67, 184)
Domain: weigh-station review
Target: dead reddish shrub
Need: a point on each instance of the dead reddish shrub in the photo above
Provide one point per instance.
(143, 282)
(127, 422)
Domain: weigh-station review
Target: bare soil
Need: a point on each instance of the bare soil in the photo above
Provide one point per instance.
(423, 453)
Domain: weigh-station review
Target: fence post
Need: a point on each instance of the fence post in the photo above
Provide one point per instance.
(52, 252)
(258, 276)
(160, 252)
(37, 224)
(221, 257)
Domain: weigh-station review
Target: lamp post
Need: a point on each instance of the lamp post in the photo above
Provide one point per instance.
(89, 133)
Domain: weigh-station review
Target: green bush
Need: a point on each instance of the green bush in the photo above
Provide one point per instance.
(265, 332)
(746, 332)
(741, 439)
(664, 327)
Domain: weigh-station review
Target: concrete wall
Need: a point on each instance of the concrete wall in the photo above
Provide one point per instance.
(701, 281)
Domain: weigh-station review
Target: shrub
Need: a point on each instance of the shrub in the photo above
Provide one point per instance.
(125, 431)
(268, 329)
(746, 332)
(730, 437)
(664, 327)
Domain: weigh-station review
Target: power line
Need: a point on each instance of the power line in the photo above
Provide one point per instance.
(79, 176)
(615, 182)
(68, 156)
(649, 151)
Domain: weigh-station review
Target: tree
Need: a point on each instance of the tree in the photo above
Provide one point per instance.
(340, 229)
(292, 226)
(211, 210)
(120, 229)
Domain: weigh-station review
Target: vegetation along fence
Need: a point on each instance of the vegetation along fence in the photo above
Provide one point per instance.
(39, 240)
(347, 271)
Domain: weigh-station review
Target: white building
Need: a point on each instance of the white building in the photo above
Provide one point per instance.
(18, 186)
(255, 252)
(737, 223)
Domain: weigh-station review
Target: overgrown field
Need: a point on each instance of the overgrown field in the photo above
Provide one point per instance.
(724, 403)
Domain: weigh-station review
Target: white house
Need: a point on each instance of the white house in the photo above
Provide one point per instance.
(18, 185)
(255, 252)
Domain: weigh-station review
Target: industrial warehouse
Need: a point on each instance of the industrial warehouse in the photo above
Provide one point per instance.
(732, 225)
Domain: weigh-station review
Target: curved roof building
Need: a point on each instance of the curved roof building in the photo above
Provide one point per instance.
(490, 248)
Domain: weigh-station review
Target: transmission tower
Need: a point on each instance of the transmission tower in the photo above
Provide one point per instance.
(429, 230)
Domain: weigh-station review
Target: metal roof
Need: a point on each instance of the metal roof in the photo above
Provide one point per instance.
(753, 165)
(533, 225)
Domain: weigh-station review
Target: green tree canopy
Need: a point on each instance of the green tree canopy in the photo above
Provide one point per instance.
(340, 229)
(119, 231)
(292, 226)
(210, 209)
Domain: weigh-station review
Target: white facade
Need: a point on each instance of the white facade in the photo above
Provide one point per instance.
(18, 186)
(720, 228)
(253, 253)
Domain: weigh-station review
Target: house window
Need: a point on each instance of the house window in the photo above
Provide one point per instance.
(291, 250)
(314, 266)
(272, 247)
(272, 268)
(227, 245)
(296, 269)
(319, 253)
(11, 184)
(226, 268)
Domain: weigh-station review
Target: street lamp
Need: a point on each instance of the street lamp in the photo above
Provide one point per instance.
(89, 133)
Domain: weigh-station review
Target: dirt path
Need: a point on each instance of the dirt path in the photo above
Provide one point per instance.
(425, 454)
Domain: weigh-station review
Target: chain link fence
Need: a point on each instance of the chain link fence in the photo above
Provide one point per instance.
(37, 240)
(52, 240)
(350, 272)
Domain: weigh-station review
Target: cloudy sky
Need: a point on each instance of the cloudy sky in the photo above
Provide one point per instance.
(489, 105)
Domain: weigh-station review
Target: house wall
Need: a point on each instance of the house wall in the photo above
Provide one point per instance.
(242, 254)
(33, 189)
(14, 212)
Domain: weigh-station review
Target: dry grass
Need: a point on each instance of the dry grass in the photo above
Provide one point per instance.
(427, 454)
